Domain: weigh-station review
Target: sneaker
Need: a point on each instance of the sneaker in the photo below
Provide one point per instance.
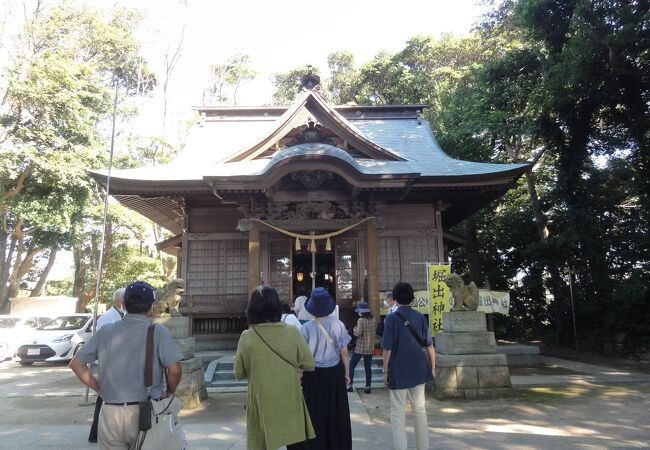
(92, 440)
(350, 389)
(366, 390)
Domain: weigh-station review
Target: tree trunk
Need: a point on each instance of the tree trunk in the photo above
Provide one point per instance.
(46, 273)
(556, 280)
(12, 283)
(6, 252)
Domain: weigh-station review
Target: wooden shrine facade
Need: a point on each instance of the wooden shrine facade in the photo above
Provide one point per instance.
(251, 179)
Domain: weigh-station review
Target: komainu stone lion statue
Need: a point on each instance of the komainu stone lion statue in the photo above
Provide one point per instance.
(465, 296)
(170, 299)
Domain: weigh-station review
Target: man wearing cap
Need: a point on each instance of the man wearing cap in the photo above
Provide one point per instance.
(115, 313)
(120, 349)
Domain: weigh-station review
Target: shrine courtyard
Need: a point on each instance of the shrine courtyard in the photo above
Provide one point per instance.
(556, 405)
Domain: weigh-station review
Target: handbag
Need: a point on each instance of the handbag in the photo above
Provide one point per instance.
(160, 427)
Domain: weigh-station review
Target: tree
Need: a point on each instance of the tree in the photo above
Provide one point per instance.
(58, 91)
(344, 78)
(287, 84)
(227, 78)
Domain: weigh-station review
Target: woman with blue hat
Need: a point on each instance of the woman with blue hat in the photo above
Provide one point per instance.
(325, 388)
(365, 333)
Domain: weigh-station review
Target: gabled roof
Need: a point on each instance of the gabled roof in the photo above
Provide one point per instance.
(247, 149)
(310, 104)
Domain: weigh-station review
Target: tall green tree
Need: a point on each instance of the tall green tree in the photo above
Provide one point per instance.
(343, 83)
(287, 84)
(60, 88)
(227, 78)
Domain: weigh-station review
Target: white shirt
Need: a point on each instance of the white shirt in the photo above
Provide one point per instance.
(393, 308)
(110, 316)
(299, 308)
(291, 319)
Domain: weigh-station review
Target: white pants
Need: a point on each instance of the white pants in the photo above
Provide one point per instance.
(398, 417)
(118, 426)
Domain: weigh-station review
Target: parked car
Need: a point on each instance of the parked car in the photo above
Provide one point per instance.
(14, 328)
(57, 340)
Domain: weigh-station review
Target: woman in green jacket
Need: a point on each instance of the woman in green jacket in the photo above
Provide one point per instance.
(272, 355)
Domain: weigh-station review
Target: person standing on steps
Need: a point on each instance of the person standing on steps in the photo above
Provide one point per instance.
(364, 330)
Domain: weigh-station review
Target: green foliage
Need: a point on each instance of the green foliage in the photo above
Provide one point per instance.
(343, 82)
(287, 84)
(226, 78)
(58, 91)
(565, 79)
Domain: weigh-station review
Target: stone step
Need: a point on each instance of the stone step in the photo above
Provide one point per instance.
(220, 373)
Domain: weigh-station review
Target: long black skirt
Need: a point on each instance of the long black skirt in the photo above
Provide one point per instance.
(327, 400)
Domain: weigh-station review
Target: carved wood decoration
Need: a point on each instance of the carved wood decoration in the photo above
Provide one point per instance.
(312, 179)
(270, 210)
(311, 133)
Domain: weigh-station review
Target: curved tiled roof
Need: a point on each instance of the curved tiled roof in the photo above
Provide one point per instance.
(225, 132)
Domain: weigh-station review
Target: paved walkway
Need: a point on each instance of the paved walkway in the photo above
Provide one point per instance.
(590, 373)
(595, 407)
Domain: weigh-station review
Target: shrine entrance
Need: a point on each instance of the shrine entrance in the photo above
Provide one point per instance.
(335, 269)
(314, 270)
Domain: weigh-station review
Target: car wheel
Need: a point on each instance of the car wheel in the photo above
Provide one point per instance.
(25, 363)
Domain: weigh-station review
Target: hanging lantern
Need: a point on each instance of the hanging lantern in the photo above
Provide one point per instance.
(300, 276)
(328, 245)
(298, 245)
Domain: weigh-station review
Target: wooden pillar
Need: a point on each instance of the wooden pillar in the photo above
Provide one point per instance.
(440, 242)
(253, 258)
(372, 264)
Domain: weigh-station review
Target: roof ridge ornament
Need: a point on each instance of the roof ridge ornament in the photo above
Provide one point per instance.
(310, 81)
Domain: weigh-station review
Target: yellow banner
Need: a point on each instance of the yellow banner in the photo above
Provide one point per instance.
(420, 303)
(494, 301)
(438, 294)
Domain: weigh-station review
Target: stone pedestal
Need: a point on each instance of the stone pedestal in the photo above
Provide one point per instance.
(467, 365)
(192, 387)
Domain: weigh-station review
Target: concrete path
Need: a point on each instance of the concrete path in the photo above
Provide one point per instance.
(597, 407)
(583, 373)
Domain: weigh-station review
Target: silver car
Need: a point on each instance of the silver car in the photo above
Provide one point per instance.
(57, 340)
(14, 328)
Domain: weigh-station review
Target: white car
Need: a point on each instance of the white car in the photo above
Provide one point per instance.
(14, 328)
(57, 340)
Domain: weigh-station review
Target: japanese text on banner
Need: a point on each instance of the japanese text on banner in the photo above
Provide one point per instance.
(438, 294)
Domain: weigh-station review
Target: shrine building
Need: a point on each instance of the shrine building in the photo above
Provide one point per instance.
(351, 198)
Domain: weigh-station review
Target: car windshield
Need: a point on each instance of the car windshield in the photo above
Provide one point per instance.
(8, 323)
(65, 323)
